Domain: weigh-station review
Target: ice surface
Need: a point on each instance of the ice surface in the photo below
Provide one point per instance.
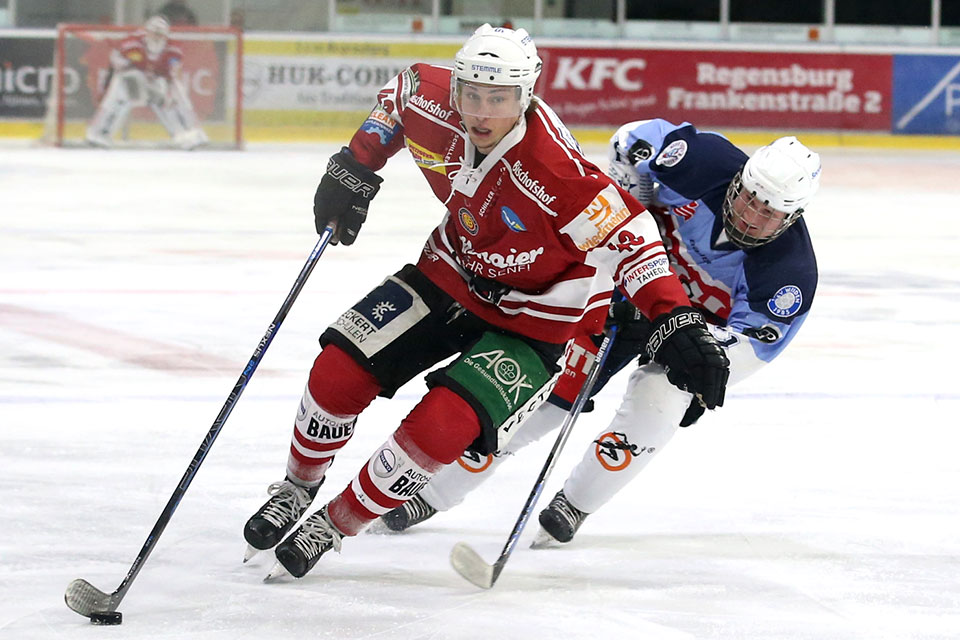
(822, 502)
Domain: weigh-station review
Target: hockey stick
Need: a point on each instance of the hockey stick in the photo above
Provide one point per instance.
(468, 562)
(86, 599)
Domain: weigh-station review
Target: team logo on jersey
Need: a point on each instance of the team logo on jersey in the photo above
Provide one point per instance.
(511, 219)
(626, 241)
(672, 153)
(786, 301)
(385, 464)
(468, 222)
(474, 462)
(614, 452)
(426, 159)
(686, 211)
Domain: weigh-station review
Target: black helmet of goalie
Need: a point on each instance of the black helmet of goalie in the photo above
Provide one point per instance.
(157, 31)
(498, 57)
(770, 192)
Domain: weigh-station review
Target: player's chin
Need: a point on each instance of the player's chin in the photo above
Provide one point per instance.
(482, 138)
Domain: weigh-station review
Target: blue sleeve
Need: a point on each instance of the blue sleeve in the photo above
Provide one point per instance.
(695, 163)
(777, 290)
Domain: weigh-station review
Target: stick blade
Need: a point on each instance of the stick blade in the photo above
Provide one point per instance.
(85, 599)
(471, 566)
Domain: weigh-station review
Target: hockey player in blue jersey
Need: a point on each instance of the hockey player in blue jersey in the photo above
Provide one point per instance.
(734, 233)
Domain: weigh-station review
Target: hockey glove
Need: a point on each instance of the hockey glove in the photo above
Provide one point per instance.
(632, 326)
(343, 197)
(693, 359)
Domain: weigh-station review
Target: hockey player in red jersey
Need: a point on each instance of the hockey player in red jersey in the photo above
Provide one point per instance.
(534, 240)
(145, 71)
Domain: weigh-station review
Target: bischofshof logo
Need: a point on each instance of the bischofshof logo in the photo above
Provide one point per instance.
(430, 106)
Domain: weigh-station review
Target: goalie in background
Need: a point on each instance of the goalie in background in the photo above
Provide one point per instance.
(145, 72)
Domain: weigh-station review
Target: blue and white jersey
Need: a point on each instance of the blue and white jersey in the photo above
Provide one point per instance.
(757, 297)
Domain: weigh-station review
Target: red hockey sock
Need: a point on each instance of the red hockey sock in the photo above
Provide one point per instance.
(338, 390)
(433, 435)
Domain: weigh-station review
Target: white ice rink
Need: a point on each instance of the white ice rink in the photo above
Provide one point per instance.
(822, 502)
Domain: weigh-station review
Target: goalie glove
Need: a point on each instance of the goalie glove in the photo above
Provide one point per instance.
(693, 359)
(343, 197)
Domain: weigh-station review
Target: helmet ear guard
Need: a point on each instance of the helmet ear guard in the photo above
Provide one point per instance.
(777, 183)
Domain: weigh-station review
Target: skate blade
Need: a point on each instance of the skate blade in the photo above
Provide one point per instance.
(544, 540)
(379, 528)
(250, 553)
(278, 571)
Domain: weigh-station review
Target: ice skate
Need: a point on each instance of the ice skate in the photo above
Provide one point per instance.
(300, 551)
(410, 513)
(191, 139)
(559, 522)
(276, 517)
(98, 139)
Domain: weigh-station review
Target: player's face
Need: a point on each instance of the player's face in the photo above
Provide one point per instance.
(489, 112)
(155, 42)
(754, 219)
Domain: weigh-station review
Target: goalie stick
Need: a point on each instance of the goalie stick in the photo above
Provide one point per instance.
(86, 599)
(468, 562)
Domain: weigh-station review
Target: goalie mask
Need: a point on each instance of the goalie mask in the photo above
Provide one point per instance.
(494, 73)
(157, 32)
(770, 192)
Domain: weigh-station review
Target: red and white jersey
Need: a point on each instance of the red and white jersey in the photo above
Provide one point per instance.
(133, 52)
(533, 215)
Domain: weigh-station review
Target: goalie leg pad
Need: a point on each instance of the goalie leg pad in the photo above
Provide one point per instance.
(114, 109)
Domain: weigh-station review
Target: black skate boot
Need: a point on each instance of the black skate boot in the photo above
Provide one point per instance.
(560, 520)
(301, 550)
(277, 516)
(410, 513)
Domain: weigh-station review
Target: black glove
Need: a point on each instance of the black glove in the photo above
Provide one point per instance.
(632, 326)
(693, 413)
(343, 196)
(681, 342)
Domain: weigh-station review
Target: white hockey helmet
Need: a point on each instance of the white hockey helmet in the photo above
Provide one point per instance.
(158, 31)
(501, 57)
(770, 192)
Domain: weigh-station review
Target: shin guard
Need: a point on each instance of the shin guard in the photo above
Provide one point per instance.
(317, 436)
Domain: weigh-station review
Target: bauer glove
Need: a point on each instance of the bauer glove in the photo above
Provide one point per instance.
(343, 197)
(693, 359)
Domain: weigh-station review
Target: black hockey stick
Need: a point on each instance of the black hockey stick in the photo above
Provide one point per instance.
(468, 562)
(86, 599)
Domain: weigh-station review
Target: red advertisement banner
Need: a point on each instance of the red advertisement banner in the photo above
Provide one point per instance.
(607, 87)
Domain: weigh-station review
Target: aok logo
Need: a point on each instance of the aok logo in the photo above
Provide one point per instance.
(506, 371)
(592, 73)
